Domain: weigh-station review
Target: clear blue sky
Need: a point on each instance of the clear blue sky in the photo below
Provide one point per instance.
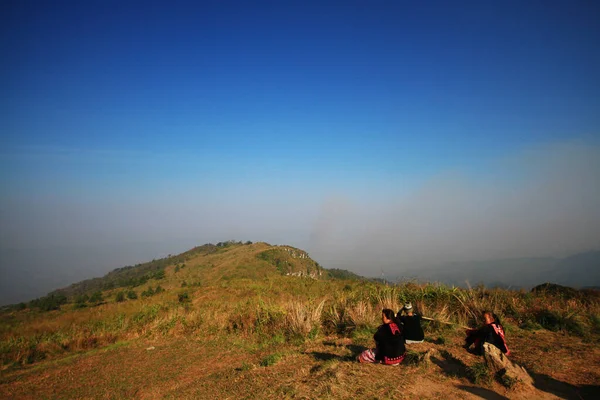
(109, 100)
(350, 87)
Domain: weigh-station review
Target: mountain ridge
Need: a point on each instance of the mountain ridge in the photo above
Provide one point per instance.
(577, 270)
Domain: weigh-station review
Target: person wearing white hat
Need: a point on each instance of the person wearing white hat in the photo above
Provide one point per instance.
(413, 332)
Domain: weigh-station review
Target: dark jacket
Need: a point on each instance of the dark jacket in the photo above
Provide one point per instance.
(389, 341)
(492, 333)
(412, 327)
(495, 336)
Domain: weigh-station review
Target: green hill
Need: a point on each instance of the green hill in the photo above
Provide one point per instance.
(227, 260)
(264, 321)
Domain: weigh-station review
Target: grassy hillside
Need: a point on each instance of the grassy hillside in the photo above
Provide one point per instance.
(265, 321)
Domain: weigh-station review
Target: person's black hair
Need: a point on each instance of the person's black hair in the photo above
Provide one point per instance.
(496, 319)
(389, 314)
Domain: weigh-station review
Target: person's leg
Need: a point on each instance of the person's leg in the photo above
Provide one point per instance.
(367, 356)
(471, 338)
(479, 346)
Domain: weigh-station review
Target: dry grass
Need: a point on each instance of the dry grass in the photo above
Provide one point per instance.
(245, 308)
(210, 367)
(303, 319)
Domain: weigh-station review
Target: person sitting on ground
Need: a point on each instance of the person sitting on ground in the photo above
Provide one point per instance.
(413, 333)
(492, 332)
(389, 342)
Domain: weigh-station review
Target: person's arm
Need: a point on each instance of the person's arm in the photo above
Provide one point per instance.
(378, 336)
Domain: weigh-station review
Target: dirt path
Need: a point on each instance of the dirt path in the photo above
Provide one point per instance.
(191, 368)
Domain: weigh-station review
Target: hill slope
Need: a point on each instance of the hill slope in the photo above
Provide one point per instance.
(262, 321)
(226, 260)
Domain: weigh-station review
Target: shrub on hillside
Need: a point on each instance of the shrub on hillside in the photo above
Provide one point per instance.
(96, 297)
(160, 274)
(556, 321)
(529, 325)
(595, 322)
(120, 297)
(555, 290)
(48, 303)
(131, 294)
(82, 298)
(343, 274)
(183, 297)
(479, 373)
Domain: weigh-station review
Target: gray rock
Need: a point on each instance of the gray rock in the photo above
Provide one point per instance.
(506, 370)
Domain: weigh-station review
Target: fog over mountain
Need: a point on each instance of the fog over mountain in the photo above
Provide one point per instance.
(538, 203)
(544, 202)
(378, 136)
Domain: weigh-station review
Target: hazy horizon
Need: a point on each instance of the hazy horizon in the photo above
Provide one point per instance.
(380, 135)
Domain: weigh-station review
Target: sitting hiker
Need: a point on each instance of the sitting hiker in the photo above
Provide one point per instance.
(413, 333)
(389, 342)
(492, 332)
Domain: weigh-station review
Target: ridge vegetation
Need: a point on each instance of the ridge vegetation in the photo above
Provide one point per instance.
(255, 318)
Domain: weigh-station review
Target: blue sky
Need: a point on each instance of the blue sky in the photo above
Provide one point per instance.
(110, 109)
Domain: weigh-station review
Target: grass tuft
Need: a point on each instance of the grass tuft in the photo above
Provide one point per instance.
(507, 381)
(412, 358)
(270, 360)
(479, 373)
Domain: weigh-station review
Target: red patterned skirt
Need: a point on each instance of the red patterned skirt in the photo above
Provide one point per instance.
(370, 356)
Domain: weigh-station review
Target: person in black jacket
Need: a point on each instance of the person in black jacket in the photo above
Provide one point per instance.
(389, 342)
(492, 332)
(413, 333)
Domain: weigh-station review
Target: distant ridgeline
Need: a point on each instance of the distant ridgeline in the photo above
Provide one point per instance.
(132, 276)
(286, 260)
(292, 261)
(581, 270)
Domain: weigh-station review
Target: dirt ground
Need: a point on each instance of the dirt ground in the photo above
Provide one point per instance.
(562, 367)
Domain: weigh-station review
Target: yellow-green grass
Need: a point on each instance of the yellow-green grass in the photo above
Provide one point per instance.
(244, 321)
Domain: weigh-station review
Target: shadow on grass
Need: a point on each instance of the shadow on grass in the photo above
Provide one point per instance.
(355, 350)
(451, 366)
(440, 340)
(325, 356)
(482, 392)
(564, 390)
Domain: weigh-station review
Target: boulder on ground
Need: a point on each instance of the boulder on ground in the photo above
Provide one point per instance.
(507, 371)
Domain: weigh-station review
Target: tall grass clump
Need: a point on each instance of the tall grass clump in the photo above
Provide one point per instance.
(566, 321)
(479, 373)
(385, 297)
(335, 320)
(303, 319)
(350, 313)
(361, 315)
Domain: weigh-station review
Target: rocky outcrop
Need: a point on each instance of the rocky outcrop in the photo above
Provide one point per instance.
(504, 369)
(290, 261)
